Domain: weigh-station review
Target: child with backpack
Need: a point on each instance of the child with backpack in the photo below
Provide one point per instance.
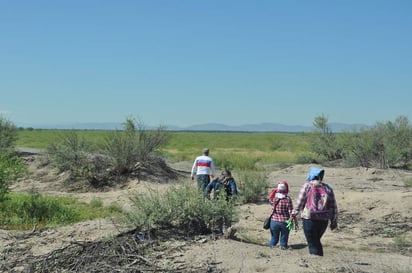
(281, 212)
(317, 204)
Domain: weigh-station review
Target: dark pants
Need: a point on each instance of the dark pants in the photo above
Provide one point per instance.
(202, 182)
(314, 230)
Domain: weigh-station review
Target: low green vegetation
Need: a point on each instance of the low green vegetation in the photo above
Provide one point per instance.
(23, 211)
(183, 146)
(384, 145)
(42, 138)
(181, 208)
(252, 185)
(225, 146)
(11, 168)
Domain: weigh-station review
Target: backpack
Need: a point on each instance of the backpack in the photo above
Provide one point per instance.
(317, 205)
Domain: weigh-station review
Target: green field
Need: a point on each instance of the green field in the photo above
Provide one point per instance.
(249, 148)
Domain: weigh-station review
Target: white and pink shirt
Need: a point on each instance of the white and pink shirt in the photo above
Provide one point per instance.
(203, 165)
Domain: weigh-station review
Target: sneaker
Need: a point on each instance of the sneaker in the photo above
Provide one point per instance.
(284, 247)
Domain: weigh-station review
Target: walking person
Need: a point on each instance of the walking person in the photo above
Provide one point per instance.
(281, 212)
(204, 169)
(317, 204)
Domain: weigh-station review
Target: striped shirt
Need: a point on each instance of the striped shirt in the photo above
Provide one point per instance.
(203, 165)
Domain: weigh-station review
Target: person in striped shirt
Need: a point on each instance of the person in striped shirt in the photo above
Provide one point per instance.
(204, 169)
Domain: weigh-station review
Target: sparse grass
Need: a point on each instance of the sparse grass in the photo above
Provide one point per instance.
(261, 254)
(23, 211)
(40, 139)
(96, 203)
(408, 182)
(390, 232)
(363, 248)
(402, 241)
(262, 147)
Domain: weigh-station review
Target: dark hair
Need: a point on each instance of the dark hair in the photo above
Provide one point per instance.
(226, 172)
(320, 176)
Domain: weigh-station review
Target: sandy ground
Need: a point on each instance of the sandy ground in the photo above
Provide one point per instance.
(374, 233)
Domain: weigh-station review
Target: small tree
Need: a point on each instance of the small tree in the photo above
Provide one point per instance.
(325, 142)
(8, 134)
(134, 147)
(395, 142)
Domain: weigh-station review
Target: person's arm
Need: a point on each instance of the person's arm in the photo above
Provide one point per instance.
(334, 207)
(194, 168)
(212, 169)
(290, 205)
(292, 216)
(272, 195)
(209, 188)
(301, 201)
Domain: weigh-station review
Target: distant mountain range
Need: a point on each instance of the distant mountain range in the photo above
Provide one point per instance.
(261, 127)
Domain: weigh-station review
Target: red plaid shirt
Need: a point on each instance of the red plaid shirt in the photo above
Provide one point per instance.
(283, 209)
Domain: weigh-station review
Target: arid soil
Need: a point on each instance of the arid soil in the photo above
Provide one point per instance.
(374, 233)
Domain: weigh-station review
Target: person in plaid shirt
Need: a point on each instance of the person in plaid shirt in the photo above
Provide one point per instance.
(281, 212)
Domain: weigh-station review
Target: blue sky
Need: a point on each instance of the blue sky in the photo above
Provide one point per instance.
(187, 62)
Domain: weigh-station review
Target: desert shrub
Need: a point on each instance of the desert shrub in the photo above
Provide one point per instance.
(70, 154)
(121, 153)
(134, 147)
(397, 141)
(252, 186)
(383, 146)
(359, 148)
(181, 208)
(11, 168)
(8, 135)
